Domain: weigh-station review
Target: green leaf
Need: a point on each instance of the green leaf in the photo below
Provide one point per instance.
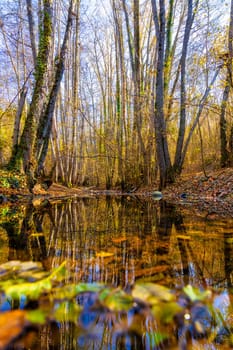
(33, 276)
(36, 317)
(165, 312)
(89, 287)
(30, 290)
(116, 300)
(72, 290)
(196, 294)
(156, 338)
(152, 293)
(67, 312)
(59, 273)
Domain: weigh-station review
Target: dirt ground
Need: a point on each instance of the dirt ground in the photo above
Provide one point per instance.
(213, 193)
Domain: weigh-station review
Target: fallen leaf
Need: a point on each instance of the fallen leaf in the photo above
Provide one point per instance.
(119, 239)
(104, 254)
(187, 238)
(12, 324)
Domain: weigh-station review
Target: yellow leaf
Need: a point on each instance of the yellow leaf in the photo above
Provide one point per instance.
(187, 238)
(104, 254)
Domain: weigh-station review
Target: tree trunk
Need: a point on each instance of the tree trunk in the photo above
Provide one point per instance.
(24, 155)
(182, 127)
(226, 156)
(163, 156)
(197, 117)
(45, 122)
(31, 30)
(18, 117)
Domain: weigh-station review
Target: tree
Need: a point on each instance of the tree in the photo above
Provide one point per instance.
(163, 155)
(226, 143)
(33, 145)
(180, 140)
(164, 55)
(136, 82)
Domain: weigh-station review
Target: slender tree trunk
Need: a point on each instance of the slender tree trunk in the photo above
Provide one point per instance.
(31, 30)
(75, 97)
(45, 122)
(25, 150)
(198, 115)
(168, 50)
(182, 126)
(223, 126)
(162, 151)
(226, 156)
(16, 132)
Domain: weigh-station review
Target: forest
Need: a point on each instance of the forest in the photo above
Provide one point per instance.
(115, 93)
(125, 108)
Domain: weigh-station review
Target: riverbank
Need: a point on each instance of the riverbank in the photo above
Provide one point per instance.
(212, 193)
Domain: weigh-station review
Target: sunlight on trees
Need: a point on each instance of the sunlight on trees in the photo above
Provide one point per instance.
(116, 94)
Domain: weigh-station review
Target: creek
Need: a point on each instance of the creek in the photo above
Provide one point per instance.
(118, 240)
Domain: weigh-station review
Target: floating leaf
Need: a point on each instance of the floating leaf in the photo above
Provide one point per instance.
(12, 324)
(152, 293)
(199, 327)
(119, 239)
(104, 254)
(59, 273)
(33, 276)
(72, 290)
(67, 312)
(229, 240)
(165, 312)
(66, 292)
(196, 294)
(30, 265)
(89, 287)
(37, 317)
(184, 237)
(36, 235)
(16, 268)
(116, 300)
(156, 338)
(30, 290)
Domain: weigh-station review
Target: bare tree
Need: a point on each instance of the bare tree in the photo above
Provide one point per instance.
(227, 144)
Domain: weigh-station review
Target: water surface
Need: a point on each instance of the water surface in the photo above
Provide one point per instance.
(118, 241)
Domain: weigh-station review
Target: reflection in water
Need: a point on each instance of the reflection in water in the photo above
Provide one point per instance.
(119, 240)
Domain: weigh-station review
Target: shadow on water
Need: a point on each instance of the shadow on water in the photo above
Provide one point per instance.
(117, 241)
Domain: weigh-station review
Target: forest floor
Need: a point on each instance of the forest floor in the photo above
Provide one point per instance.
(213, 193)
